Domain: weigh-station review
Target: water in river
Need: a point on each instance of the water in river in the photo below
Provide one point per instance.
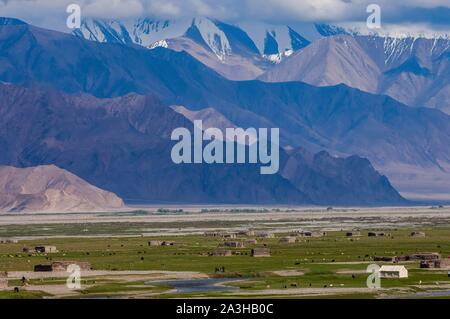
(197, 285)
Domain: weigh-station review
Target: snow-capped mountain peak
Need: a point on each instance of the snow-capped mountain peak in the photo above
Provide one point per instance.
(215, 38)
(104, 31)
(271, 42)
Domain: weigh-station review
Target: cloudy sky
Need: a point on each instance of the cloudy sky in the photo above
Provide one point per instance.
(433, 14)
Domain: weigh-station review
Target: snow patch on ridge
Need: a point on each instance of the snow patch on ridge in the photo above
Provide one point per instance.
(159, 44)
(215, 38)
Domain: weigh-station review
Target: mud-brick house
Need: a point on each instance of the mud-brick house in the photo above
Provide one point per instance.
(234, 244)
(385, 258)
(353, 233)
(260, 252)
(155, 243)
(424, 256)
(8, 241)
(265, 234)
(160, 243)
(288, 240)
(62, 266)
(45, 249)
(229, 235)
(377, 234)
(220, 252)
(418, 234)
(212, 234)
(43, 268)
(430, 264)
(301, 233)
(445, 262)
(3, 280)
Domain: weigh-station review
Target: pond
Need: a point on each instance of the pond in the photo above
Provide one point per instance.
(434, 293)
(197, 285)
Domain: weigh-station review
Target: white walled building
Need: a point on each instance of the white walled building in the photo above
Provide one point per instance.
(393, 272)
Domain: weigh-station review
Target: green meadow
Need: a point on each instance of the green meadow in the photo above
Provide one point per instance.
(319, 262)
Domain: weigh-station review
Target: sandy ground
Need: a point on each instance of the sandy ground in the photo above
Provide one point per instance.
(56, 290)
(288, 219)
(287, 273)
(128, 274)
(61, 290)
(303, 291)
(385, 213)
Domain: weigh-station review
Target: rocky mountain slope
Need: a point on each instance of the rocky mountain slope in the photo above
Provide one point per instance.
(123, 145)
(415, 71)
(411, 69)
(237, 52)
(49, 188)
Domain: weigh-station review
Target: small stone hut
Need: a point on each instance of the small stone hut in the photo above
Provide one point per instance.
(260, 252)
(45, 249)
(220, 252)
(234, 244)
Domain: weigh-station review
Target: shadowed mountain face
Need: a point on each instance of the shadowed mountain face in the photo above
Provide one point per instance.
(321, 175)
(338, 119)
(49, 188)
(123, 145)
(413, 71)
(35, 56)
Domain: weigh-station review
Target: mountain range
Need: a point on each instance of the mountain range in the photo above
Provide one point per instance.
(237, 52)
(123, 145)
(85, 94)
(414, 71)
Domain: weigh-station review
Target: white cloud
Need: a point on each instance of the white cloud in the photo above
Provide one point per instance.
(50, 12)
(119, 9)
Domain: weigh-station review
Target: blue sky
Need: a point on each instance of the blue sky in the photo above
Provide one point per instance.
(434, 14)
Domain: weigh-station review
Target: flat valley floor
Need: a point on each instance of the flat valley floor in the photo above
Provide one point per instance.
(125, 265)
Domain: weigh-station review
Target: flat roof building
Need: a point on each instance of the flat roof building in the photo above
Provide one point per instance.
(220, 252)
(417, 234)
(3, 280)
(265, 235)
(8, 241)
(154, 243)
(45, 249)
(352, 233)
(62, 266)
(288, 240)
(229, 235)
(424, 256)
(393, 272)
(377, 234)
(234, 244)
(260, 252)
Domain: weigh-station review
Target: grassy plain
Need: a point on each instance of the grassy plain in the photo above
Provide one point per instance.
(329, 266)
